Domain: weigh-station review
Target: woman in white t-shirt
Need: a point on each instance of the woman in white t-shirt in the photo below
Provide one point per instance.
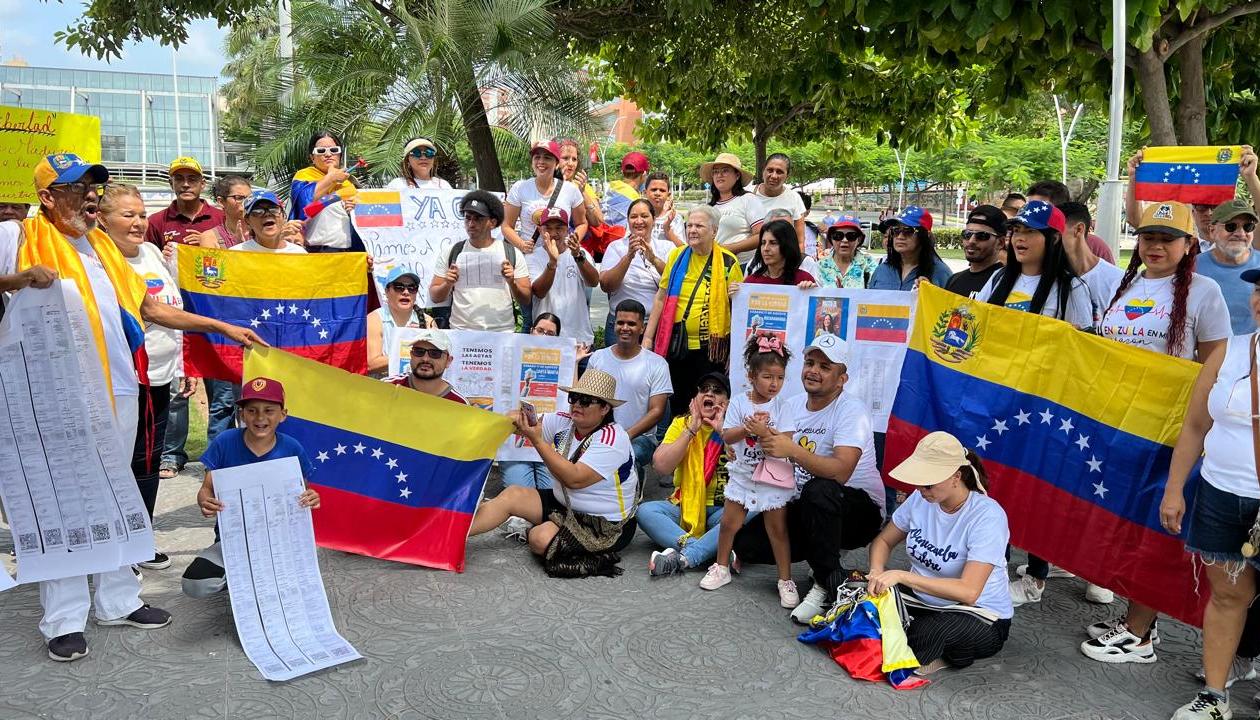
(588, 516)
(955, 590)
(741, 212)
(632, 266)
(532, 194)
(1218, 430)
(1037, 276)
(776, 195)
(124, 219)
(418, 162)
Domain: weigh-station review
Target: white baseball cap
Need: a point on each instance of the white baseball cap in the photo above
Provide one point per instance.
(835, 348)
(436, 338)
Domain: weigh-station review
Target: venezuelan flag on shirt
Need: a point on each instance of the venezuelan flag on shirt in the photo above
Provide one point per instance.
(1206, 175)
(311, 305)
(1076, 433)
(399, 472)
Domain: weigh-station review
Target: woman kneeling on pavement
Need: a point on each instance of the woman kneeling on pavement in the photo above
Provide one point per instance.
(956, 535)
(687, 524)
(581, 523)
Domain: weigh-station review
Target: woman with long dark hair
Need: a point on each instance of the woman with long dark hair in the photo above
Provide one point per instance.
(778, 258)
(741, 212)
(911, 253)
(419, 167)
(325, 175)
(1037, 276)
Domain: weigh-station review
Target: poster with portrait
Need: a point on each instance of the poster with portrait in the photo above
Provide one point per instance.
(874, 323)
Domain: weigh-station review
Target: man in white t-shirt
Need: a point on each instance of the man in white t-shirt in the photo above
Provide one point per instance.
(481, 275)
(562, 286)
(642, 380)
(840, 505)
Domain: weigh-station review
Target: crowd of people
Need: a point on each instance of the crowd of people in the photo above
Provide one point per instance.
(756, 478)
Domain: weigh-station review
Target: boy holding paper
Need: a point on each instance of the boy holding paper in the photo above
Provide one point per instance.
(262, 410)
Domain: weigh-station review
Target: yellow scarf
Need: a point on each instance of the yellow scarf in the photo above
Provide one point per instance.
(45, 245)
(719, 304)
(313, 174)
(699, 466)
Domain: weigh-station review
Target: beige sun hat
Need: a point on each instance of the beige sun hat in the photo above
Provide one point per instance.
(597, 384)
(706, 170)
(937, 456)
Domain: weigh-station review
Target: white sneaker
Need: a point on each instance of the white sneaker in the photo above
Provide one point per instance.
(1240, 669)
(1119, 646)
(1099, 629)
(516, 528)
(788, 597)
(1055, 572)
(716, 577)
(813, 605)
(1205, 706)
(1099, 594)
(1026, 590)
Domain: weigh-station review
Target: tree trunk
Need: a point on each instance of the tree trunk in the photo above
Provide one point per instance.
(760, 141)
(1154, 88)
(480, 140)
(1192, 103)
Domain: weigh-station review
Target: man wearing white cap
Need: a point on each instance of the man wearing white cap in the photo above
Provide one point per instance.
(430, 356)
(840, 501)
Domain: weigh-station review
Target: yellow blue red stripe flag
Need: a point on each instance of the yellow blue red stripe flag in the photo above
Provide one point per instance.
(1204, 175)
(1075, 431)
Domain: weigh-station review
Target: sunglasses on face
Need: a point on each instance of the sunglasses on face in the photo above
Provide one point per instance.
(850, 236)
(902, 230)
(334, 150)
(583, 400)
(422, 152)
(711, 388)
(265, 212)
(433, 353)
(979, 235)
(1232, 226)
(404, 287)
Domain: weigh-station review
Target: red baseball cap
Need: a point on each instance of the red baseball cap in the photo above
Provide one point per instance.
(551, 147)
(261, 388)
(635, 161)
(543, 215)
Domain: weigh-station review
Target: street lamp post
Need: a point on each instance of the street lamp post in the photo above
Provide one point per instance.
(1110, 199)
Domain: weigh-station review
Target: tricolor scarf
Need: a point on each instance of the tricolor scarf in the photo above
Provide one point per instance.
(44, 244)
(302, 190)
(718, 305)
(697, 471)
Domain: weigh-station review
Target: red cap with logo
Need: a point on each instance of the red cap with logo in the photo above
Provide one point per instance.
(551, 147)
(635, 162)
(261, 388)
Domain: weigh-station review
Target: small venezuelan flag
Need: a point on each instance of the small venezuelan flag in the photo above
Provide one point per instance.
(378, 208)
(1076, 433)
(883, 323)
(387, 490)
(1206, 175)
(311, 305)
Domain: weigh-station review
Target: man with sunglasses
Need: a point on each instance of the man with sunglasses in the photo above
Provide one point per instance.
(430, 356)
(1231, 253)
(983, 240)
(480, 275)
(264, 213)
(188, 216)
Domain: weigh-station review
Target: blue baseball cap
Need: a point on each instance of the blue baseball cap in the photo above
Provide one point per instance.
(64, 168)
(913, 216)
(1040, 215)
(400, 272)
(262, 195)
(1251, 276)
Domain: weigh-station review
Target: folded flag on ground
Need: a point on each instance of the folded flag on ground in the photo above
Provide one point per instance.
(1206, 175)
(867, 637)
(1076, 433)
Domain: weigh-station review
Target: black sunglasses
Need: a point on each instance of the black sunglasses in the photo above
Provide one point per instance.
(851, 236)
(583, 400)
(711, 388)
(900, 230)
(404, 287)
(980, 235)
(1232, 226)
(420, 152)
(433, 353)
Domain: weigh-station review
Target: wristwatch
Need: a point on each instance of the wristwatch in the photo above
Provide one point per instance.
(580, 257)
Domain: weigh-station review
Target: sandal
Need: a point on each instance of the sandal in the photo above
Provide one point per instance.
(166, 472)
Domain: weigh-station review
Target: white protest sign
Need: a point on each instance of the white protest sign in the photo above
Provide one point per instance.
(497, 371)
(875, 323)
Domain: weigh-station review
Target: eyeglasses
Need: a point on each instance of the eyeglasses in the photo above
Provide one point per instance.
(850, 236)
(979, 235)
(901, 230)
(433, 353)
(542, 331)
(79, 188)
(237, 198)
(1232, 226)
(583, 400)
(474, 217)
(265, 212)
(404, 287)
(334, 150)
(420, 152)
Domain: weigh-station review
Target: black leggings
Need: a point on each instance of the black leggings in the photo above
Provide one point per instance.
(958, 638)
(146, 456)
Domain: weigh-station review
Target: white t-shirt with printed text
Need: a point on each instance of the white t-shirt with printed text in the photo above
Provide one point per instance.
(481, 298)
(639, 379)
(747, 452)
(609, 454)
(567, 299)
(122, 365)
(524, 195)
(1080, 309)
(843, 423)
(641, 280)
(739, 215)
(1142, 315)
(163, 345)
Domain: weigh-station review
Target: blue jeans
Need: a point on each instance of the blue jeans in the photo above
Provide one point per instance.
(1219, 524)
(644, 446)
(609, 327)
(660, 520)
(526, 474)
(173, 453)
(222, 396)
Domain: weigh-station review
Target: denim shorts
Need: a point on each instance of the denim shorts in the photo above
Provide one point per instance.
(1220, 524)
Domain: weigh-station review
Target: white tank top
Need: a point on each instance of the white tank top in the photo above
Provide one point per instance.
(1229, 463)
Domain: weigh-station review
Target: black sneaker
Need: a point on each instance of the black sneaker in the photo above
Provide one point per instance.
(146, 618)
(67, 648)
(160, 561)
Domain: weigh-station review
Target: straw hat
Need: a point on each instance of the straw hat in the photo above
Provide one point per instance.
(937, 456)
(706, 170)
(597, 384)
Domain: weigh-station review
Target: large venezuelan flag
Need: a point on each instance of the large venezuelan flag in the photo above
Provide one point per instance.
(1203, 174)
(311, 305)
(399, 472)
(1075, 431)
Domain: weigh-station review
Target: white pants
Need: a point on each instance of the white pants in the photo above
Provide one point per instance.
(66, 601)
